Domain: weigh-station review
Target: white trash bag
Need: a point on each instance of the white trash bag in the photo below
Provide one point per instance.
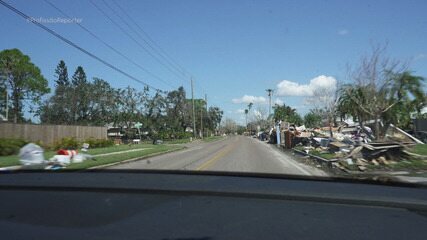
(62, 159)
(32, 156)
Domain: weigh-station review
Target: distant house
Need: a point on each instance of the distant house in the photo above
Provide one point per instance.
(115, 132)
(415, 114)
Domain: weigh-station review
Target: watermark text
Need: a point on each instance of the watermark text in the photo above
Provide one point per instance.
(55, 20)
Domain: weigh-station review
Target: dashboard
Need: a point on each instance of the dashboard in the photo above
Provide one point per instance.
(193, 205)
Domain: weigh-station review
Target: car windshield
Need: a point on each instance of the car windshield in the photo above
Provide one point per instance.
(309, 88)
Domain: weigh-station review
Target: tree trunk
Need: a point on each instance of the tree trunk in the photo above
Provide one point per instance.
(15, 105)
(377, 127)
(360, 121)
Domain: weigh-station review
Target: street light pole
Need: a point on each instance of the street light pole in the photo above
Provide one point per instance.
(194, 114)
(201, 121)
(207, 114)
(270, 93)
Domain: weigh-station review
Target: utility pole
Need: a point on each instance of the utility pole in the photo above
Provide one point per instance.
(270, 93)
(201, 121)
(194, 114)
(207, 114)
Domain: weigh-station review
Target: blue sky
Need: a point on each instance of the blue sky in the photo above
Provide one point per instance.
(232, 48)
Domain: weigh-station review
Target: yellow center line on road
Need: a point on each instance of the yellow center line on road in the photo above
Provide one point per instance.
(216, 157)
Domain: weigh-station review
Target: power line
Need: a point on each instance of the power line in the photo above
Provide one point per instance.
(109, 46)
(156, 48)
(129, 35)
(10, 7)
(161, 51)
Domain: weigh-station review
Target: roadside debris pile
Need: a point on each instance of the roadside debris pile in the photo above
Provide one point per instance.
(31, 156)
(351, 148)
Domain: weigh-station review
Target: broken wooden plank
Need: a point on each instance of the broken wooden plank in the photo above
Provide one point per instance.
(407, 134)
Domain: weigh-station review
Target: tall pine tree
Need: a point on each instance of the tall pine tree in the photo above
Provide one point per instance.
(79, 77)
(81, 96)
(57, 109)
(61, 74)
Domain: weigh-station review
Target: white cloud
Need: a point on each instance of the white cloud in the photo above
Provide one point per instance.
(420, 56)
(289, 88)
(278, 101)
(343, 32)
(249, 99)
(240, 111)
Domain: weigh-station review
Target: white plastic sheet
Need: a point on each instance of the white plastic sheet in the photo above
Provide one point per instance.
(32, 155)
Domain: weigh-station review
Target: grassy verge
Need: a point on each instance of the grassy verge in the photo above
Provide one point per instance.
(213, 138)
(97, 161)
(14, 159)
(420, 149)
(177, 141)
(406, 165)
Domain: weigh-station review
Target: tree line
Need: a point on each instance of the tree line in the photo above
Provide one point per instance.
(76, 100)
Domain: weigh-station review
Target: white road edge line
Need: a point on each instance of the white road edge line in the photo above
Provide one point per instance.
(290, 161)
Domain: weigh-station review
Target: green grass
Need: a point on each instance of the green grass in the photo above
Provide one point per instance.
(213, 138)
(317, 153)
(301, 148)
(9, 160)
(410, 165)
(322, 155)
(420, 149)
(14, 159)
(407, 165)
(123, 156)
(177, 141)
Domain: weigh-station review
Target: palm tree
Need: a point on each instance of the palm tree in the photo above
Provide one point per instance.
(246, 115)
(407, 90)
(249, 109)
(405, 84)
(350, 97)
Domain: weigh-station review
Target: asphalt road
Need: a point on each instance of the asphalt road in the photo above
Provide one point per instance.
(235, 153)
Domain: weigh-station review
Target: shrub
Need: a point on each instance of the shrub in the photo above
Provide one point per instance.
(99, 143)
(183, 135)
(11, 146)
(67, 143)
(46, 147)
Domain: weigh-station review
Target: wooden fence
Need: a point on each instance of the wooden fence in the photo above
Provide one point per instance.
(48, 134)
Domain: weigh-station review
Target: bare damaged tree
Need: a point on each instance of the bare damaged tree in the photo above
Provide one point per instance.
(260, 113)
(325, 102)
(260, 117)
(373, 76)
(230, 126)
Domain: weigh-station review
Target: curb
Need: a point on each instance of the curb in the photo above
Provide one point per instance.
(134, 159)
